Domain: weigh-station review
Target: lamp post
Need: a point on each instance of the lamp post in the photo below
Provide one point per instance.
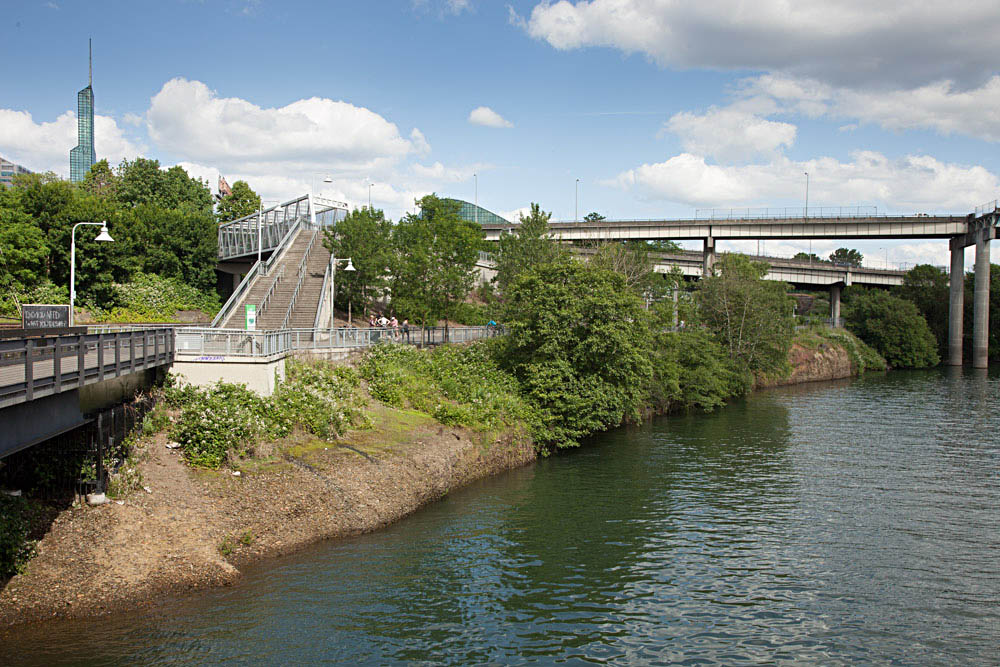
(333, 275)
(326, 179)
(807, 195)
(103, 237)
(576, 202)
(475, 177)
(370, 184)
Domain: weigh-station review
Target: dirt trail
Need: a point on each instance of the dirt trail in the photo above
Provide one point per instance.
(194, 529)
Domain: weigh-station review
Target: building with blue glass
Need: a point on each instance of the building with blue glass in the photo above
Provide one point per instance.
(83, 157)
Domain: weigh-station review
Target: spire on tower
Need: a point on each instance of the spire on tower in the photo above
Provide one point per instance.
(90, 48)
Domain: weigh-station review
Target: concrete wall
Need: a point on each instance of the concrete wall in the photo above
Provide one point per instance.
(257, 374)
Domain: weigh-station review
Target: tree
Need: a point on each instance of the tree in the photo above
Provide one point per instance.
(101, 180)
(891, 325)
(632, 259)
(846, 257)
(752, 317)
(142, 181)
(526, 248)
(577, 340)
(435, 260)
(593, 216)
(663, 245)
(365, 236)
(926, 287)
(242, 202)
(807, 256)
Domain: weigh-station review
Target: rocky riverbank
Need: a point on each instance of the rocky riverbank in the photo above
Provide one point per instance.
(192, 529)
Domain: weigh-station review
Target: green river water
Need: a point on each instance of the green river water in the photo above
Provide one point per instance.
(834, 523)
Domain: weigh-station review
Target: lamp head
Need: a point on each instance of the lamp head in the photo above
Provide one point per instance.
(350, 266)
(104, 236)
(328, 180)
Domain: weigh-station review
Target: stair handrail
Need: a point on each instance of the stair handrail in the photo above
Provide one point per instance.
(270, 291)
(258, 269)
(322, 295)
(303, 265)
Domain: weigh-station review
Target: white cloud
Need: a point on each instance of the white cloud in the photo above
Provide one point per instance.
(419, 141)
(133, 119)
(440, 173)
(730, 134)
(938, 106)
(45, 146)
(515, 215)
(190, 120)
(917, 183)
(488, 117)
(905, 43)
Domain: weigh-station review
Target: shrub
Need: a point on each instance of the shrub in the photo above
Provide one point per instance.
(15, 548)
(152, 298)
(228, 420)
(893, 327)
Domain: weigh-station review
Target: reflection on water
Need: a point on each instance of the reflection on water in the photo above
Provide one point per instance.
(857, 521)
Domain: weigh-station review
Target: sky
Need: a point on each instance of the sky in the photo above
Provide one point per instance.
(630, 108)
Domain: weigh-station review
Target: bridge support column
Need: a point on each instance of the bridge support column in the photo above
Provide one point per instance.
(708, 260)
(835, 305)
(956, 301)
(981, 302)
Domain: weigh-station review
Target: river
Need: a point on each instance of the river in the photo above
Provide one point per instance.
(833, 523)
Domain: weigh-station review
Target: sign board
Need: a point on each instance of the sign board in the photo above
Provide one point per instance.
(251, 317)
(44, 316)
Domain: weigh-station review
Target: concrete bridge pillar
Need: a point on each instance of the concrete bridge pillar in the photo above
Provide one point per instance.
(835, 304)
(956, 301)
(981, 301)
(708, 257)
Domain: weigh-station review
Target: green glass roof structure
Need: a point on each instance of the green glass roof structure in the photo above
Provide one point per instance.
(478, 214)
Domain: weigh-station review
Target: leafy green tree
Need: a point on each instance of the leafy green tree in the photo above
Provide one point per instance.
(435, 260)
(806, 256)
(101, 180)
(529, 246)
(632, 259)
(593, 216)
(692, 370)
(364, 235)
(242, 202)
(663, 245)
(577, 341)
(891, 325)
(142, 181)
(846, 257)
(926, 287)
(751, 317)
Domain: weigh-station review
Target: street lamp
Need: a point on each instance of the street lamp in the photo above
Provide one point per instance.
(370, 184)
(576, 203)
(326, 179)
(807, 195)
(103, 237)
(476, 178)
(333, 275)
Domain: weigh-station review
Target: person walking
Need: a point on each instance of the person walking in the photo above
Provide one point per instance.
(406, 329)
(394, 323)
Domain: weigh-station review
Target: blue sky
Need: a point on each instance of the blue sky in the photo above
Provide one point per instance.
(659, 107)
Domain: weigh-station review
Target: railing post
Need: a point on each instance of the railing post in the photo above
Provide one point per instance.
(131, 351)
(57, 366)
(118, 353)
(81, 359)
(29, 369)
(156, 348)
(100, 357)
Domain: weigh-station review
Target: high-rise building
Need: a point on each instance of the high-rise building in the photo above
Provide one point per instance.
(8, 170)
(82, 158)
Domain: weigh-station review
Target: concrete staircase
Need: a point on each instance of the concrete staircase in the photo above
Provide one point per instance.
(273, 293)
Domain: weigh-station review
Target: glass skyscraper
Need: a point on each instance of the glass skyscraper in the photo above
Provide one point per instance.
(83, 156)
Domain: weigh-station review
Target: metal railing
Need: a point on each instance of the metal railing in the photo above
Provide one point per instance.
(322, 294)
(988, 207)
(215, 344)
(786, 212)
(44, 365)
(301, 273)
(270, 291)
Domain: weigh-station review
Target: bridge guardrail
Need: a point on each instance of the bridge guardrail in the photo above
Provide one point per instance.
(206, 342)
(43, 365)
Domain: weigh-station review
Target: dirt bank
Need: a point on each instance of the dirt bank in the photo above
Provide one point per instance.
(194, 529)
(825, 362)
